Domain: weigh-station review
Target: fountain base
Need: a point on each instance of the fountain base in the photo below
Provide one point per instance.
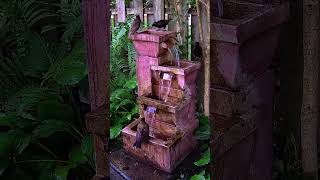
(163, 152)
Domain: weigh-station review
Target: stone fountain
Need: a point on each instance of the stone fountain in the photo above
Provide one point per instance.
(167, 101)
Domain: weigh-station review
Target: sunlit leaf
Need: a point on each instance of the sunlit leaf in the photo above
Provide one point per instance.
(205, 158)
(115, 131)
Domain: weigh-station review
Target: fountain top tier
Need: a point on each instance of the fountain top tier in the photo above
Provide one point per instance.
(153, 43)
(151, 35)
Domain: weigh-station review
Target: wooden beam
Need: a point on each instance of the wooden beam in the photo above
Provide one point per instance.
(158, 9)
(203, 11)
(96, 16)
(121, 9)
(310, 104)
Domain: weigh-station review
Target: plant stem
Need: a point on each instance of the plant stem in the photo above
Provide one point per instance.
(45, 148)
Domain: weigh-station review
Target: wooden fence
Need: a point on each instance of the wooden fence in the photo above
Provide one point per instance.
(153, 11)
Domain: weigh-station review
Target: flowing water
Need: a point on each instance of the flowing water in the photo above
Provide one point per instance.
(175, 53)
(165, 79)
(150, 114)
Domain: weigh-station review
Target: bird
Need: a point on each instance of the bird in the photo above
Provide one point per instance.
(197, 50)
(135, 25)
(161, 23)
(142, 135)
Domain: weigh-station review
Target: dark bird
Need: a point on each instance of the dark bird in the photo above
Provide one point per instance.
(197, 50)
(142, 135)
(161, 23)
(135, 25)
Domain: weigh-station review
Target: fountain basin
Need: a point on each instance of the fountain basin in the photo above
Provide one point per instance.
(152, 43)
(175, 112)
(186, 74)
(165, 152)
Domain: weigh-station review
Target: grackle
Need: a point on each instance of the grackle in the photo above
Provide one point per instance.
(161, 23)
(197, 50)
(135, 25)
(142, 135)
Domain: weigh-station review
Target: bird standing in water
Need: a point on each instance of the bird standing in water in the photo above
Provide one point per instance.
(135, 25)
(142, 135)
(161, 23)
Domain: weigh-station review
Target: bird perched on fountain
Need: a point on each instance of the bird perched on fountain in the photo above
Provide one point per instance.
(142, 135)
(197, 51)
(161, 23)
(135, 25)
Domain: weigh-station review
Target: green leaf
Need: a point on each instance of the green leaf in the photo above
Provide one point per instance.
(6, 144)
(36, 62)
(4, 163)
(87, 147)
(61, 172)
(199, 176)
(53, 109)
(76, 156)
(205, 159)
(115, 131)
(48, 127)
(21, 141)
(203, 132)
(131, 84)
(71, 73)
(13, 120)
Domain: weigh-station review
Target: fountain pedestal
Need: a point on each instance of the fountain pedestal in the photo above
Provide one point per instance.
(171, 129)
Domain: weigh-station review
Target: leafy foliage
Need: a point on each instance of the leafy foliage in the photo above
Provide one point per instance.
(38, 78)
(123, 107)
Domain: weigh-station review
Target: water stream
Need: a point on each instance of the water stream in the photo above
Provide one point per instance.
(150, 114)
(166, 79)
(175, 53)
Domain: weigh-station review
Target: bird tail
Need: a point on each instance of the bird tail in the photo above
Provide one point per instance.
(137, 144)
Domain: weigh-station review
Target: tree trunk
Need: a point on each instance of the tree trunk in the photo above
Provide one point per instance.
(309, 111)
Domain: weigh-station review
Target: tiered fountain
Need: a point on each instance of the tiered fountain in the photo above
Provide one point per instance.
(167, 101)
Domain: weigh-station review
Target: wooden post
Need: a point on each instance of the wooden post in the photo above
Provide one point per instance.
(138, 6)
(96, 15)
(121, 10)
(158, 9)
(310, 106)
(203, 12)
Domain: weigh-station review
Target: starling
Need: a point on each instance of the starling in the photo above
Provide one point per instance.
(161, 23)
(142, 135)
(135, 25)
(197, 50)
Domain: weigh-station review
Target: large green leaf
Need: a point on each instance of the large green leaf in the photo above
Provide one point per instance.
(87, 147)
(4, 163)
(203, 132)
(53, 109)
(15, 120)
(36, 61)
(115, 131)
(6, 144)
(76, 156)
(48, 127)
(27, 98)
(71, 73)
(20, 142)
(205, 159)
(61, 172)
(200, 176)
